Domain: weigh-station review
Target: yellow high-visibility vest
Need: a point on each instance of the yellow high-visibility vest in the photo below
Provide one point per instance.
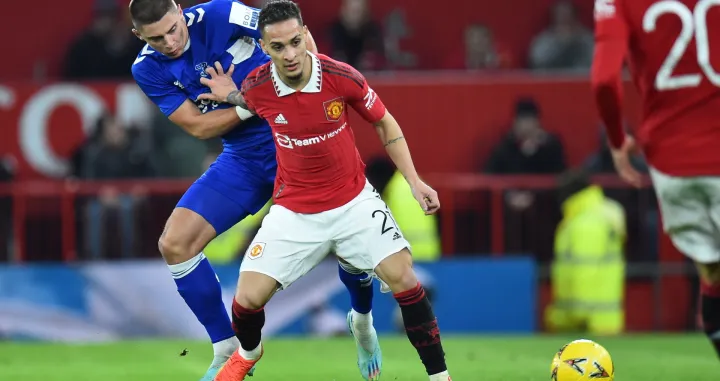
(588, 271)
(420, 230)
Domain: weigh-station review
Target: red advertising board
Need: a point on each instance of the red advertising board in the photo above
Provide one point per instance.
(451, 121)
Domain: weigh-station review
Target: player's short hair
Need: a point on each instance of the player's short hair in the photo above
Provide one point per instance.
(276, 11)
(145, 12)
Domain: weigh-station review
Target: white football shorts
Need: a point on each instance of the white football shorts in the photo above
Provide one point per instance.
(690, 208)
(288, 245)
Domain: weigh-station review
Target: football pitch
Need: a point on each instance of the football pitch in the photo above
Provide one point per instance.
(476, 358)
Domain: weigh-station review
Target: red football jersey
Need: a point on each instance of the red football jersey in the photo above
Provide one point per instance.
(319, 166)
(675, 69)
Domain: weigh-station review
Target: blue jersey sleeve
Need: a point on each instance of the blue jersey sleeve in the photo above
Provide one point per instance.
(239, 19)
(164, 93)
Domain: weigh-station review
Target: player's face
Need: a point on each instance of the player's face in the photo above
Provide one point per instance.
(167, 36)
(284, 42)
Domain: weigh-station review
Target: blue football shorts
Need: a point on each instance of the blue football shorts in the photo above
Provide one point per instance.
(235, 186)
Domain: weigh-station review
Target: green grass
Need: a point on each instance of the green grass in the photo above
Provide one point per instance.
(477, 358)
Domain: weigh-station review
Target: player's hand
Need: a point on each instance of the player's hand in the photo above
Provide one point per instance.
(220, 83)
(623, 165)
(426, 197)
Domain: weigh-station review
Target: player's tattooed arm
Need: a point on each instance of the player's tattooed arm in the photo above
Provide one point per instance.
(394, 140)
(236, 99)
(392, 136)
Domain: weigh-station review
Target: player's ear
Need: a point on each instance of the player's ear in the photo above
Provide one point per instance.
(137, 34)
(262, 46)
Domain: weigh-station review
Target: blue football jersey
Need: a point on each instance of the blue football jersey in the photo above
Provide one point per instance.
(220, 30)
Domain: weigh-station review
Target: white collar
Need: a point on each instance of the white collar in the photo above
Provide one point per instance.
(313, 86)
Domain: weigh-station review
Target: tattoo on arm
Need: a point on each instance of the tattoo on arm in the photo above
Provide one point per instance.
(392, 141)
(235, 98)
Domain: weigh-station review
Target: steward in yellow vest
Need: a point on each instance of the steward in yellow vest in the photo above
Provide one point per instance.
(588, 271)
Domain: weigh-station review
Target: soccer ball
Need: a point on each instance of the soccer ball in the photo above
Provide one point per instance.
(582, 360)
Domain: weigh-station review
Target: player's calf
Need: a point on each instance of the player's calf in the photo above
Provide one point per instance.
(248, 311)
(418, 317)
(185, 235)
(254, 290)
(710, 302)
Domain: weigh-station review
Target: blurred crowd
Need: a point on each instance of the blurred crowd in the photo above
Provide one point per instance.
(359, 38)
(116, 151)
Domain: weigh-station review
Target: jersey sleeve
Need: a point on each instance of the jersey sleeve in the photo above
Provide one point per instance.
(164, 93)
(238, 19)
(611, 46)
(359, 95)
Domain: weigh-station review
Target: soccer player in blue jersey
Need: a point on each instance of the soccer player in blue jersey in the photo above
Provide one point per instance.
(181, 44)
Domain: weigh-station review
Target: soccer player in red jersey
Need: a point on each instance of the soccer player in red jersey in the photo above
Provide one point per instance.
(667, 46)
(322, 200)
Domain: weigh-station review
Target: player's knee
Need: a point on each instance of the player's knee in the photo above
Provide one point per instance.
(396, 270)
(250, 300)
(185, 236)
(254, 289)
(170, 249)
(176, 249)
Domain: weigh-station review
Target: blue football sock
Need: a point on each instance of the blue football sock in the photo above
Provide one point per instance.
(198, 285)
(360, 287)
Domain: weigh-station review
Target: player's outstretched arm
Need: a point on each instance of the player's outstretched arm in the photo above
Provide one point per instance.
(175, 104)
(392, 137)
(222, 87)
(204, 126)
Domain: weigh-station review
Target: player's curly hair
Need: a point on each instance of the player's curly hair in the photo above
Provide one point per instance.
(276, 11)
(145, 12)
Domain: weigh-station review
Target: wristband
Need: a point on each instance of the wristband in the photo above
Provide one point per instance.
(244, 114)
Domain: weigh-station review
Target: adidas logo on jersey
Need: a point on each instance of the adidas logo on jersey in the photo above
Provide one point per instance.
(281, 119)
(396, 236)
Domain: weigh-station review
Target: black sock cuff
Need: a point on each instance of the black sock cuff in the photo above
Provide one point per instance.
(411, 296)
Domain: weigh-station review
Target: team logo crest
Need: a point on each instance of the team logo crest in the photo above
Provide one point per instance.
(200, 68)
(334, 109)
(256, 251)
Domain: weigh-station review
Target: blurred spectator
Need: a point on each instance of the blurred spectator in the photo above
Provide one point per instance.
(175, 153)
(566, 44)
(480, 52)
(588, 270)
(113, 155)
(396, 30)
(356, 38)
(527, 148)
(106, 50)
